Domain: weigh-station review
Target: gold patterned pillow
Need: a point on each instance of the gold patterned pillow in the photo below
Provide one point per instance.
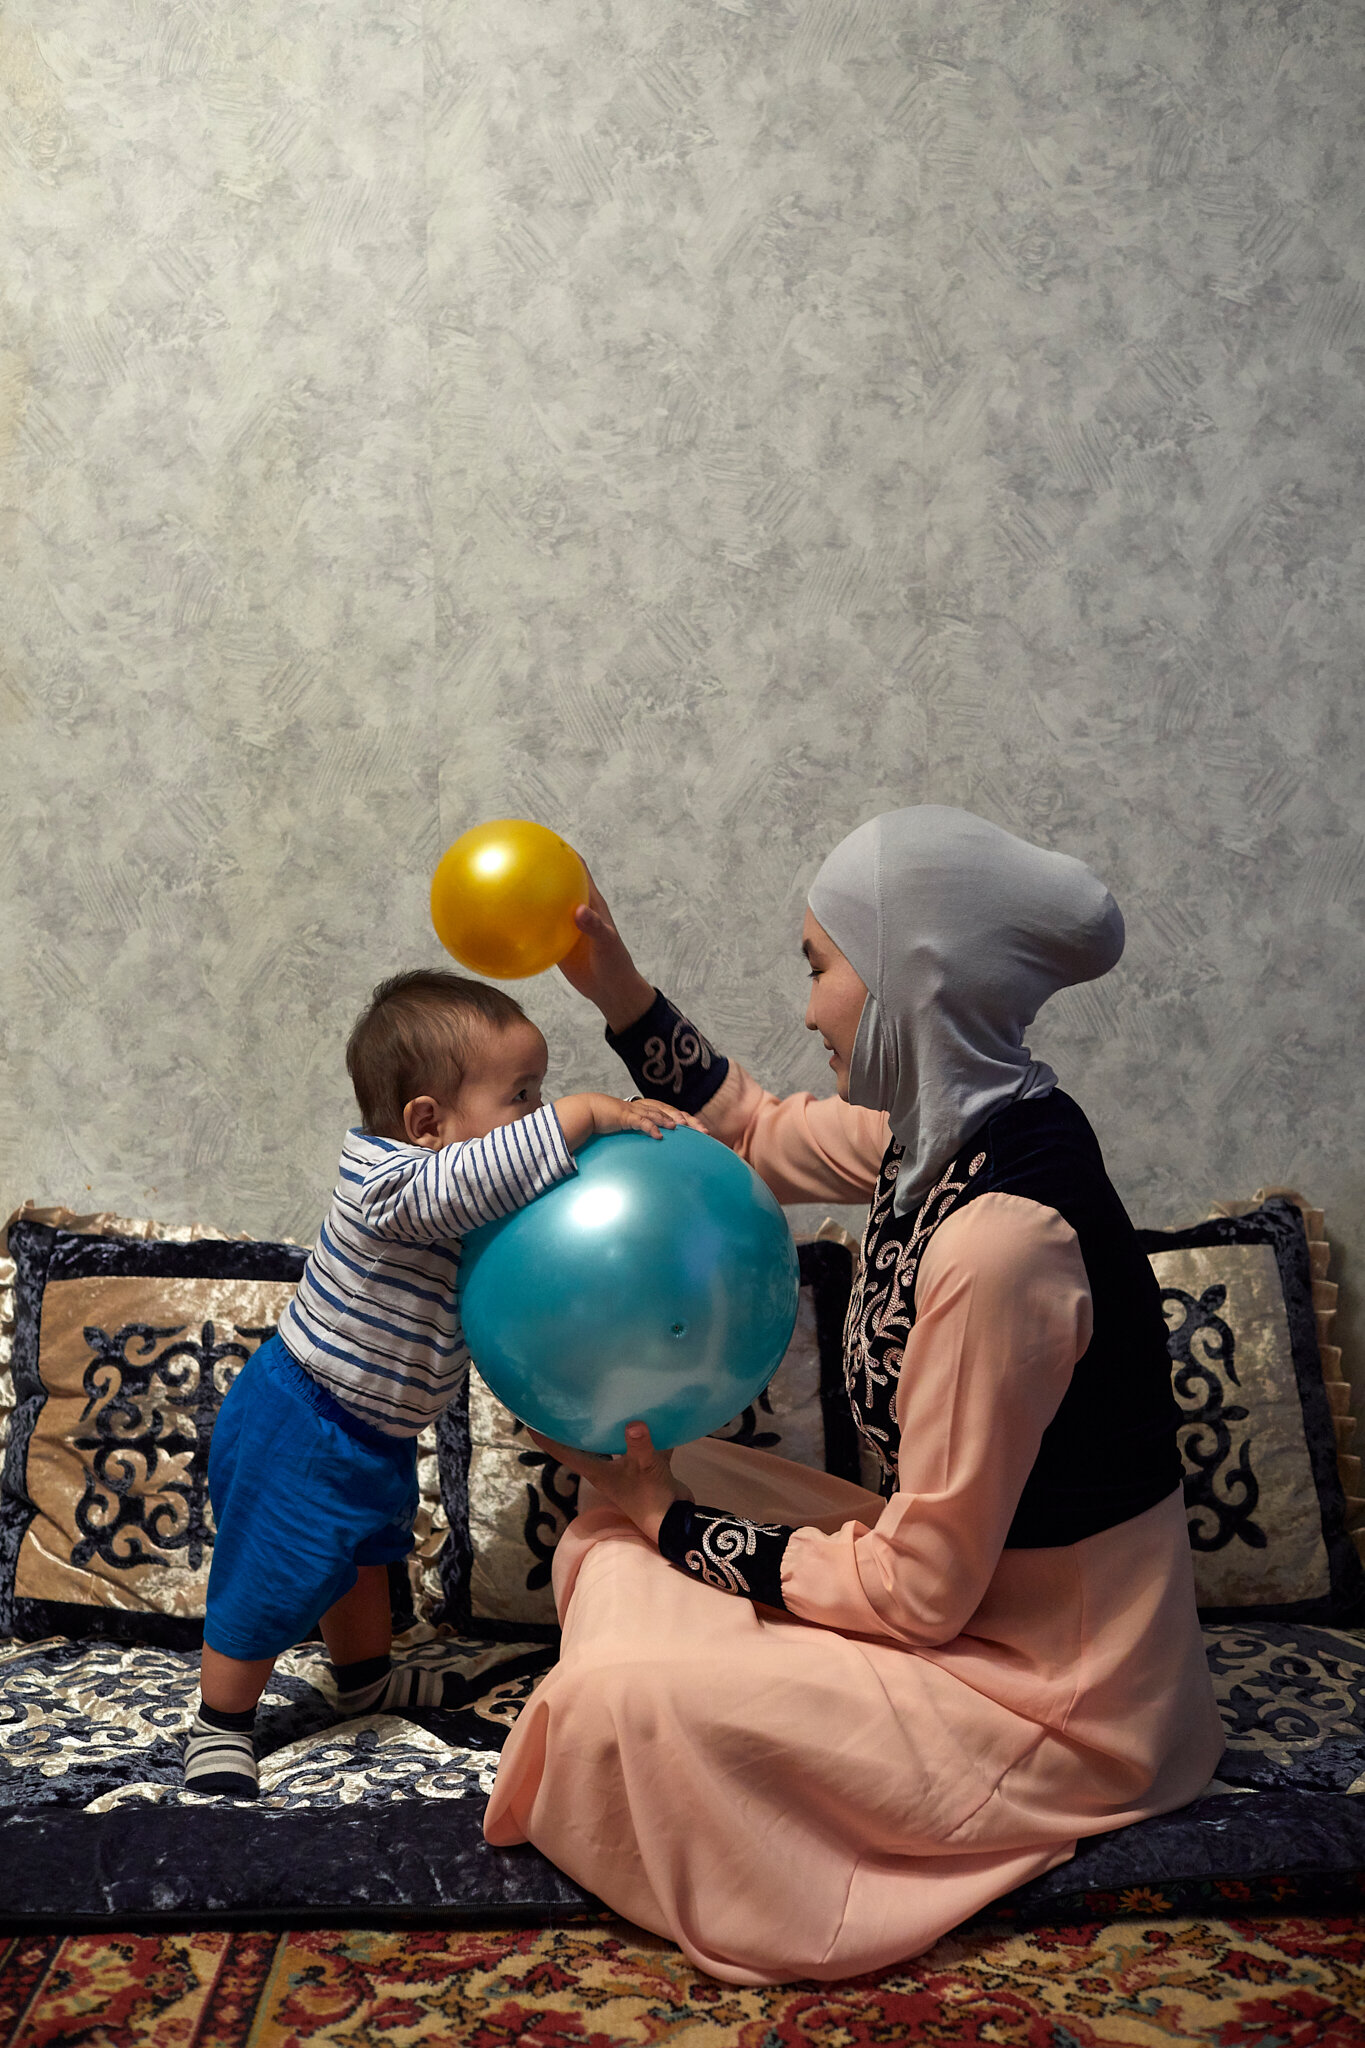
(1263, 1436)
(122, 1349)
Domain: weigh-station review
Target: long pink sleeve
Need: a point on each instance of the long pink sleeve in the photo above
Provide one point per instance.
(808, 1148)
(1004, 1312)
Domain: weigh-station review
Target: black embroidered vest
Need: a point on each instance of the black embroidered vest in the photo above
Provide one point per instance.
(1110, 1451)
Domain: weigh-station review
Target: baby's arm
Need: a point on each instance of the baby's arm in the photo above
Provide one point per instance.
(446, 1193)
(432, 1197)
(591, 1116)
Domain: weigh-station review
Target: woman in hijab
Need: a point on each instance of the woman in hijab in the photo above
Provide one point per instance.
(803, 1729)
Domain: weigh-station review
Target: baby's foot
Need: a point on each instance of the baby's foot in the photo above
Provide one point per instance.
(220, 1755)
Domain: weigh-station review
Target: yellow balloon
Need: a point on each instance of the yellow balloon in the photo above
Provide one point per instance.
(503, 898)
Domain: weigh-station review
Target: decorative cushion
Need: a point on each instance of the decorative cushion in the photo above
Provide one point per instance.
(122, 1349)
(94, 1820)
(506, 1503)
(1267, 1509)
(99, 1724)
(125, 1335)
(1292, 1699)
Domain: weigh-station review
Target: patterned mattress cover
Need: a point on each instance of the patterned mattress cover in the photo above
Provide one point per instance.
(379, 1818)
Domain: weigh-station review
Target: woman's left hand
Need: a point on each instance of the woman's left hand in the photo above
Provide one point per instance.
(641, 1484)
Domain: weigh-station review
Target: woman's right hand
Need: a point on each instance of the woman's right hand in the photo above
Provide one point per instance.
(642, 1484)
(600, 966)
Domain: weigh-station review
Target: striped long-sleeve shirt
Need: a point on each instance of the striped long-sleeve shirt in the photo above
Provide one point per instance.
(374, 1319)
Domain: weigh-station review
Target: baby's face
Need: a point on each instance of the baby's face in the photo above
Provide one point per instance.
(503, 1078)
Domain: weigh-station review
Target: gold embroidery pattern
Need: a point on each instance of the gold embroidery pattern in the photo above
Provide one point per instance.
(723, 1543)
(666, 1061)
(881, 1311)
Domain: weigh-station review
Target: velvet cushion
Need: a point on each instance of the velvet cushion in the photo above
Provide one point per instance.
(380, 1817)
(123, 1346)
(122, 1350)
(125, 1338)
(1258, 1437)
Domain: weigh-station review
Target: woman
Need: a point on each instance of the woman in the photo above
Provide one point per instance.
(801, 1729)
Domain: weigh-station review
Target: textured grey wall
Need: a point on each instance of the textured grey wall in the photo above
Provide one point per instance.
(698, 426)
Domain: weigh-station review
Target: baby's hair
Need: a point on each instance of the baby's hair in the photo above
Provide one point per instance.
(415, 1037)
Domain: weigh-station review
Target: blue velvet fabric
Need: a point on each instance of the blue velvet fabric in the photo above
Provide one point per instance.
(381, 1818)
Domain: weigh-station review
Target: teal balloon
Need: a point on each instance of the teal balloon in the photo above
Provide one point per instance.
(660, 1284)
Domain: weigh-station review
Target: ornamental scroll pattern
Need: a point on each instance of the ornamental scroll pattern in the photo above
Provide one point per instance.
(99, 1724)
(551, 1504)
(725, 1540)
(150, 1407)
(881, 1307)
(1221, 1490)
(669, 1062)
(1292, 1698)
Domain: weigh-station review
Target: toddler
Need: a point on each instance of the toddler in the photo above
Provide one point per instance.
(313, 1465)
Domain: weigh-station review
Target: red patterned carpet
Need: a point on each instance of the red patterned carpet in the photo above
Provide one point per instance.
(1275, 1982)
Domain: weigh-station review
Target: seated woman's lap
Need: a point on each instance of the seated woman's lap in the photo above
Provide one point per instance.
(866, 1727)
(728, 1476)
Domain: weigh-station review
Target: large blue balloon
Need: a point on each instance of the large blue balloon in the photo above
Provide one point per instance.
(659, 1284)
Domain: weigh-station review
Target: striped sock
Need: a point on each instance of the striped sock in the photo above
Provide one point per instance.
(372, 1686)
(220, 1755)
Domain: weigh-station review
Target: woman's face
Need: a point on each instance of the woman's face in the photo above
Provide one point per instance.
(837, 995)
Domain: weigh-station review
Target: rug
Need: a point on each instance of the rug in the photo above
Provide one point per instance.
(1277, 1982)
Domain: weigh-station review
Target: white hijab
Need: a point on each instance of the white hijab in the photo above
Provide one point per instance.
(961, 932)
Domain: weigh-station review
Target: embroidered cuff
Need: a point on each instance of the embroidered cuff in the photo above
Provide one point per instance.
(669, 1060)
(732, 1555)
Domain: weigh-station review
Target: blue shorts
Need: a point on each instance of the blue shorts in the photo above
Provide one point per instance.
(303, 1494)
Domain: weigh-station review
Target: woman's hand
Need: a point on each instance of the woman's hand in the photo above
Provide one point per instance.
(641, 1484)
(600, 966)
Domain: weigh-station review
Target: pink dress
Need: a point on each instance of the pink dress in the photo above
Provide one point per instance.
(935, 1718)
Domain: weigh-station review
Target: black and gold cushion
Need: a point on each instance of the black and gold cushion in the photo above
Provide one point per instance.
(1259, 1437)
(506, 1503)
(122, 1349)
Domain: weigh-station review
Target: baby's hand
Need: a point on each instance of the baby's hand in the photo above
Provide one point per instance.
(653, 1118)
(590, 1116)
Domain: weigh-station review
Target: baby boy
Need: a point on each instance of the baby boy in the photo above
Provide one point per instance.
(313, 1465)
